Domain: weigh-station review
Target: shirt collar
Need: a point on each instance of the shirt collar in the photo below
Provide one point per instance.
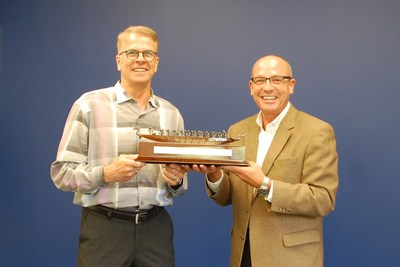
(277, 121)
(122, 96)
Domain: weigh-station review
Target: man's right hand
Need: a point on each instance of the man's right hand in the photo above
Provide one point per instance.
(123, 169)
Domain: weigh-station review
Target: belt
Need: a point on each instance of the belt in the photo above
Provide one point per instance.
(138, 216)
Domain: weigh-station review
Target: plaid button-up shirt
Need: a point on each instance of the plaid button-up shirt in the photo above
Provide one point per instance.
(98, 129)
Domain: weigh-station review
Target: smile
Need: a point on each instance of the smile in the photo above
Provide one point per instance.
(269, 97)
(139, 69)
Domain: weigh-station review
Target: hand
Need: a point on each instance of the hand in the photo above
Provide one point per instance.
(213, 172)
(252, 174)
(123, 169)
(173, 174)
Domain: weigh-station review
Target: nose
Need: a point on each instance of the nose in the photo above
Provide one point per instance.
(140, 57)
(267, 85)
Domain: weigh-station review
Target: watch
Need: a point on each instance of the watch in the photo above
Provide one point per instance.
(264, 188)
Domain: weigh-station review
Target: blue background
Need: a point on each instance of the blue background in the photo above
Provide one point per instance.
(345, 57)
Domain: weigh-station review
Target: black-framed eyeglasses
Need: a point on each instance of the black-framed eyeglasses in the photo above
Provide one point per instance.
(133, 54)
(275, 80)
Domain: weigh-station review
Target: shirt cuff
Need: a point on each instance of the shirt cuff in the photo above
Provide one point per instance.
(268, 197)
(214, 187)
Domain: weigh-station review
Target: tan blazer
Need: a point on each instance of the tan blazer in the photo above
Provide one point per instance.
(302, 162)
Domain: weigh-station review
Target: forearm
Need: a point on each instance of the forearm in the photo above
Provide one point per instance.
(74, 177)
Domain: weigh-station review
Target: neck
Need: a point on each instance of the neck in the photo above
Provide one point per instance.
(140, 92)
(266, 119)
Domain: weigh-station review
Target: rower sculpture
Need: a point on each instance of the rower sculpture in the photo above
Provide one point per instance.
(189, 147)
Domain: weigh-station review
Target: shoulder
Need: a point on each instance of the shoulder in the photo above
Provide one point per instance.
(246, 121)
(98, 94)
(305, 119)
(98, 99)
(244, 125)
(307, 127)
(103, 98)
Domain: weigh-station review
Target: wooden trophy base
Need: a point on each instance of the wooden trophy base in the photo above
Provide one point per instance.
(189, 153)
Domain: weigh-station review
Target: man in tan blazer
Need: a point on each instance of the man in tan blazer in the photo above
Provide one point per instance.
(280, 199)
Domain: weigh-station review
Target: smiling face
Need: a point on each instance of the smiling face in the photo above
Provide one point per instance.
(138, 72)
(271, 99)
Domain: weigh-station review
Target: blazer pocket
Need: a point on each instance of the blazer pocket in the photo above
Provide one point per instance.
(300, 238)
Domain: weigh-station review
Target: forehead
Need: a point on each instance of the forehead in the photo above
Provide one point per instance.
(270, 66)
(137, 41)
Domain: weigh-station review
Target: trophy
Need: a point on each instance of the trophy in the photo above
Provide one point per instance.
(188, 147)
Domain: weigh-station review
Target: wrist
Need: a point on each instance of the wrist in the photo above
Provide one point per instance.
(104, 177)
(215, 176)
(176, 187)
(264, 187)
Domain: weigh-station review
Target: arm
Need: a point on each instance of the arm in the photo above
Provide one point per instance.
(72, 172)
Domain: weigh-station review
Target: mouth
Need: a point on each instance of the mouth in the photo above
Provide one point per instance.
(269, 97)
(139, 69)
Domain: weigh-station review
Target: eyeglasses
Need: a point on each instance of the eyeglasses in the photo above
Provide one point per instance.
(275, 80)
(133, 54)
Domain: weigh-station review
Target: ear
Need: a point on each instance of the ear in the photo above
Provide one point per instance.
(251, 87)
(292, 84)
(156, 64)
(117, 61)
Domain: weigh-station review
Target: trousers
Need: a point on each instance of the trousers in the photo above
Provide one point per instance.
(119, 243)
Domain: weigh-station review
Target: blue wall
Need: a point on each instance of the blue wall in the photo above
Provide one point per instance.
(345, 57)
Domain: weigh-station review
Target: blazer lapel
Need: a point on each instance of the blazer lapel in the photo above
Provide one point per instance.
(280, 139)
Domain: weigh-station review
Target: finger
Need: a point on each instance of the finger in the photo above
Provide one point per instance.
(207, 169)
(175, 168)
(168, 173)
(229, 168)
(187, 168)
(176, 174)
(196, 168)
(131, 156)
(139, 164)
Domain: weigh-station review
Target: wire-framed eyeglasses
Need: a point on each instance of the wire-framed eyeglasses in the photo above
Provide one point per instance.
(275, 80)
